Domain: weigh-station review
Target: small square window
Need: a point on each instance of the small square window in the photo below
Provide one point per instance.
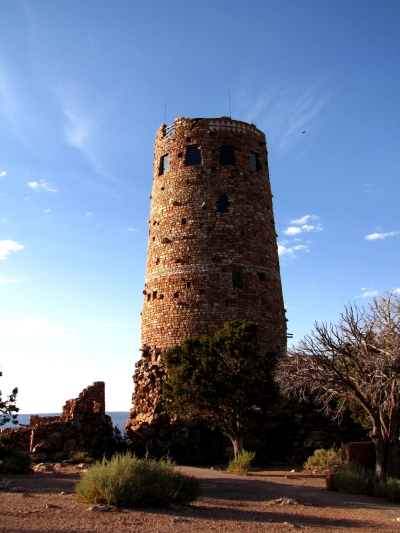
(260, 276)
(188, 284)
(227, 155)
(193, 156)
(183, 220)
(255, 161)
(164, 164)
(202, 291)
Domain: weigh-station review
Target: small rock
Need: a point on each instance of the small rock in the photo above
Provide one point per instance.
(25, 495)
(177, 519)
(51, 506)
(396, 519)
(285, 501)
(100, 508)
(63, 493)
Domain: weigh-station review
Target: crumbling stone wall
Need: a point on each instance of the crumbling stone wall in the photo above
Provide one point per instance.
(82, 426)
(212, 251)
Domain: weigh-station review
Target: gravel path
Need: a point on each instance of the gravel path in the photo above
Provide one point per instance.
(44, 502)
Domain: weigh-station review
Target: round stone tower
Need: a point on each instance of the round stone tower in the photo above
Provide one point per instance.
(212, 252)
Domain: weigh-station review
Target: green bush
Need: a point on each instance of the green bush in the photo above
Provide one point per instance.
(326, 461)
(241, 465)
(15, 461)
(80, 457)
(389, 489)
(128, 481)
(352, 479)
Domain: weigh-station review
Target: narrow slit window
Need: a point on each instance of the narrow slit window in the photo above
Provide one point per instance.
(227, 155)
(237, 277)
(222, 204)
(261, 276)
(148, 297)
(255, 161)
(193, 156)
(154, 295)
(164, 164)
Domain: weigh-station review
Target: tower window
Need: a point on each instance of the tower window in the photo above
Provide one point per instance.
(227, 155)
(193, 156)
(183, 220)
(222, 204)
(148, 297)
(255, 161)
(260, 276)
(237, 277)
(154, 295)
(164, 164)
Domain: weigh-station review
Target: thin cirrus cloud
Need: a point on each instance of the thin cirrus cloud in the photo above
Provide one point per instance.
(376, 236)
(41, 186)
(33, 327)
(287, 112)
(7, 246)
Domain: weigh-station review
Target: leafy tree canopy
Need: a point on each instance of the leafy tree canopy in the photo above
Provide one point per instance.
(8, 408)
(221, 379)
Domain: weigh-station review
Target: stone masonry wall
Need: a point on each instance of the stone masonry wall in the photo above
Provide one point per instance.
(212, 251)
(82, 426)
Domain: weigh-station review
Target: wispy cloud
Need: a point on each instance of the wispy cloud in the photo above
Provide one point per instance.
(108, 325)
(41, 186)
(375, 236)
(285, 250)
(131, 229)
(7, 246)
(88, 214)
(300, 225)
(369, 294)
(2, 174)
(33, 327)
(286, 111)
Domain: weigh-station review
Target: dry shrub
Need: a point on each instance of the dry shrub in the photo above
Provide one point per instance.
(241, 465)
(128, 481)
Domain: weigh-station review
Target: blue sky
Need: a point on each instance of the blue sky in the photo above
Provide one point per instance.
(83, 85)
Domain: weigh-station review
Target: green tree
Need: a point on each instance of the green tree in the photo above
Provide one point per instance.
(221, 379)
(8, 408)
(354, 363)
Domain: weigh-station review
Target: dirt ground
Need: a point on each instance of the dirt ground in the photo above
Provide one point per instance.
(44, 502)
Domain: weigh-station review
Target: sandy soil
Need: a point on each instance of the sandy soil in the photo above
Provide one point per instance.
(44, 502)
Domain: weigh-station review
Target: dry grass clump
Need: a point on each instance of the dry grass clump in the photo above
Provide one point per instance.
(326, 461)
(128, 481)
(241, 465)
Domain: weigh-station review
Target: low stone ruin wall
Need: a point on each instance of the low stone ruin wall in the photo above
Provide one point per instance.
(82, 426)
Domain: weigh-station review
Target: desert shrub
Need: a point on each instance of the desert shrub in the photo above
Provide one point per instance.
(128, 481)
(352, 479)
(81, 457)
(389, 489)
(326, 461)
(15, 461)
(242, 464)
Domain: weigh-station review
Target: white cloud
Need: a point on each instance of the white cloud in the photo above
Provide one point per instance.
(301, 226)
(33, 327)
(396, 291)
(375, 236)
(292, 230)
(131, 229)
(46, 211)
(7, 246)
(368, 294)
(2, 173)
(289, 250)
(41, 186)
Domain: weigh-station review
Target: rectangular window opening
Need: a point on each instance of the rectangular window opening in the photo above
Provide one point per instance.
(154, 295)
(183, 220)
(164, 164)
(193, 156)
(188, 284)
(260, 276)
(255, 161)
(227, 155)
(148, 297)
(202, 291)
(237, 277)
(176, 294)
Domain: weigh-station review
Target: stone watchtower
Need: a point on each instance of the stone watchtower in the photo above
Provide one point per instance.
(212, 252)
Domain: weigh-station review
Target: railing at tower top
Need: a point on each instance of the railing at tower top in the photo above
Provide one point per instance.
(169, 130)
